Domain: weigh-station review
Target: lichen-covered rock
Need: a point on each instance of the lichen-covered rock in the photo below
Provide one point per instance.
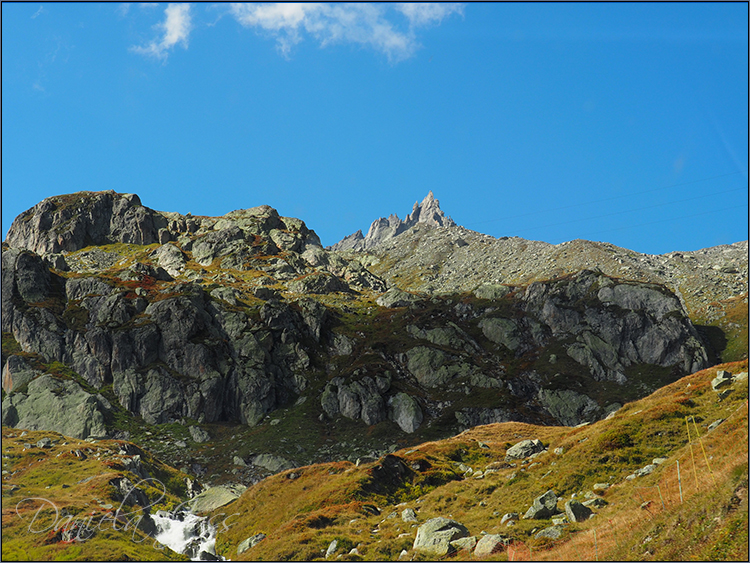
(358, 399)
(198, 434)
(272, 463)
(451, 336)
(318, 283)
(60, 405)
(616, 324)
(252, 541)
(492, 291)
(502, 331)
(433, 367)
(551, 532)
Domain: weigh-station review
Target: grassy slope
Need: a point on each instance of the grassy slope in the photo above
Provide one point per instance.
(32, 528)
(303, 510)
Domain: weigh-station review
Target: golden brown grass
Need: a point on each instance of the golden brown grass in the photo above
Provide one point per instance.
(302, 515)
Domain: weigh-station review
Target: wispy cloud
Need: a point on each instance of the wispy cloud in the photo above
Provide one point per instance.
(362, 24)
(430, 13)
(174, 30)
(38, 13)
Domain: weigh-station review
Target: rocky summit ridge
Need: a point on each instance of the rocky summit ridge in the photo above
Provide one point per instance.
(383, 229)
(132, 318)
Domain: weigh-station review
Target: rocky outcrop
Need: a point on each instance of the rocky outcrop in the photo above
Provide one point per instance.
(71, 222)
(394, 297)
(17, 374)
(616, 324)
(383, 229)
(230, 318)
(361, 399)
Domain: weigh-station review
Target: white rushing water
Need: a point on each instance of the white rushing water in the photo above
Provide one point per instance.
(186, 533)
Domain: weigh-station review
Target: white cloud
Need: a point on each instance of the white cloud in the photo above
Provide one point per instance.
(362, 24)
(176, 30)
(429, 13)
(38, 13)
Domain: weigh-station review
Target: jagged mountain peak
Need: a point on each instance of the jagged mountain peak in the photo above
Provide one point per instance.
(427, 213)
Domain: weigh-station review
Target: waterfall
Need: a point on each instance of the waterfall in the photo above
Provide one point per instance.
(187, 533)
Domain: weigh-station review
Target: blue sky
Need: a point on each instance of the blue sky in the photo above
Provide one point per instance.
(625, 123)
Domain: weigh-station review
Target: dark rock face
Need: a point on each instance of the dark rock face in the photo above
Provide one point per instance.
(229, 318)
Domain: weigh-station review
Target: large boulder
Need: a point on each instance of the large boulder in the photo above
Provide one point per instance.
(543, 507)
(524, 449)
(405, 412)
(502, 331)
(358, 399)
(272, 463)
(60, 405)
(434, 537)
(576, 511)
(616, 324)
(722, 379)
(252, 541)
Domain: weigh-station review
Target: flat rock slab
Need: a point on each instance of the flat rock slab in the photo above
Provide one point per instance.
(214, 497)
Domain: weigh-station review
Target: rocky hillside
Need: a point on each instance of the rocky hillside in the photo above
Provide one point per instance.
(123, 321)
(607, 491)
(640, 485)
(445, 258)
